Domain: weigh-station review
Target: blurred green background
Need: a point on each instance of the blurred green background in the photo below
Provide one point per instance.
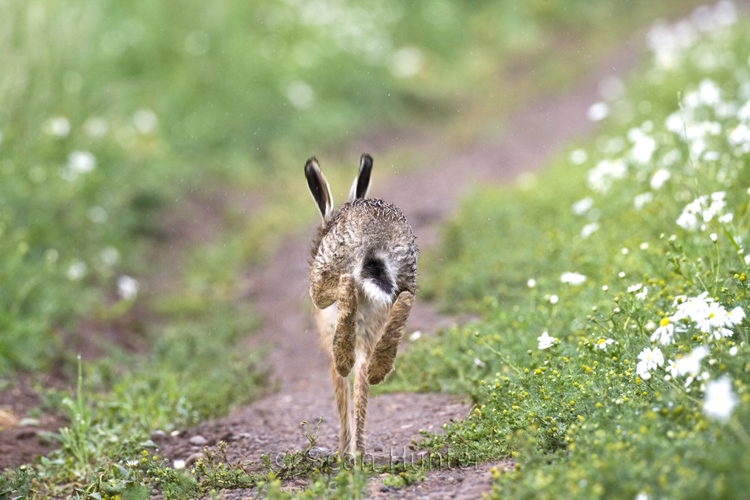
(136, 138)
(113, 111)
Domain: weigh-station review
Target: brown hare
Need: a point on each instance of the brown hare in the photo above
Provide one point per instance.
(362, 282)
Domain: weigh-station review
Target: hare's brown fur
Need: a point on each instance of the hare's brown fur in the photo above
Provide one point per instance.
(362, 284)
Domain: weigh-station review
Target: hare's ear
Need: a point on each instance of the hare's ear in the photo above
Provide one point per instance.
(361, 184)
(319, 188)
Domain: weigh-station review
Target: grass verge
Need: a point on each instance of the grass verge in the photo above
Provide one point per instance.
(611, 357)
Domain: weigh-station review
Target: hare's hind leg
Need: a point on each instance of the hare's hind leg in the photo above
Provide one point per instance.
(376, 364)
(381, 363)
(341, 391)
(361, 396)
(344, 338)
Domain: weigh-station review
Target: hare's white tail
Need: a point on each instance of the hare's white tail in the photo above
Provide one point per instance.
(377, 278)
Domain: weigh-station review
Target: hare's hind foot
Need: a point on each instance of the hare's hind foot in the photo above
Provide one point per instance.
(344, 338)
(341, 391)
(384, 355)
(361, 396)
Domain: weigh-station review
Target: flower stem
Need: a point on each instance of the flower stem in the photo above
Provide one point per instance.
(739, 431)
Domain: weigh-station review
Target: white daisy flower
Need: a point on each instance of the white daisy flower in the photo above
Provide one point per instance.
(603, 343)
(582, 206)
(598, 111)
(81, 162)
(650, 359)
(659, 178)
(736, 316)
(641, 199)
(665, 333)
(545, 341)
(572, 278)
(719, 399)
(643, 150)
(127, 287)
(58, 126)
(691, 363)
(77, 270)
(589, 229)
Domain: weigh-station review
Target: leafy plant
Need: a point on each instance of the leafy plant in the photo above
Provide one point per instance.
(610, 356)
(76, 438)
(16, 484)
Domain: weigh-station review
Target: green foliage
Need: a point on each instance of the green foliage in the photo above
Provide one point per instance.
(121, 400)
(130, 471)
(16, 484)
(345, 485)
(611, 355)
(402, 479)
(109, 111)
(75, 439)
(301, 463)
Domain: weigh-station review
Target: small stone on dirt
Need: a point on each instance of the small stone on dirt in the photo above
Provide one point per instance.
(158, 436)
(194, 458)
(7, 419)
(319, 451)
(241, 435)
(198, 440)
(46, 438)
(26, 434)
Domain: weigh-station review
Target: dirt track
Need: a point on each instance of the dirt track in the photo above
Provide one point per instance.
(427, 194)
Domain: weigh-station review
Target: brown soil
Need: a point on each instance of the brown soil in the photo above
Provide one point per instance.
(23, 426)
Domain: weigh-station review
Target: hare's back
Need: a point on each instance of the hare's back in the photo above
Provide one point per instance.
(378, 219)
(367, 229)
(380, 232)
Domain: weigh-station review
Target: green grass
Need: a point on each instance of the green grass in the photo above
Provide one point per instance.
(163, 100)
(580, 416)
(113, 114)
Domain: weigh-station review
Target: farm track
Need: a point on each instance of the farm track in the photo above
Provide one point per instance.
(428, 194)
